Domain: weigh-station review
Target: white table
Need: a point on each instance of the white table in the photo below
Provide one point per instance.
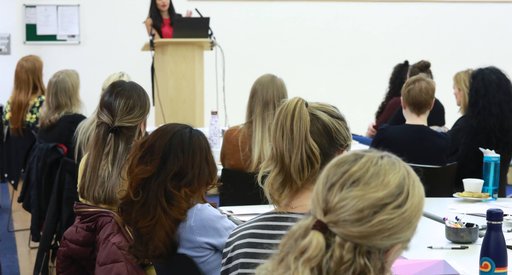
(429, 232)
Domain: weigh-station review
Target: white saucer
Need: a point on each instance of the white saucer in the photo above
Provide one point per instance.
(457, 195)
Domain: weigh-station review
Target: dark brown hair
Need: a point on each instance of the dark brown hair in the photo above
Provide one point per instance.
(421, 67)
(168, 172)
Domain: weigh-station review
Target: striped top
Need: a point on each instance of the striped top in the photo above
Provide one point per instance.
(253, 242)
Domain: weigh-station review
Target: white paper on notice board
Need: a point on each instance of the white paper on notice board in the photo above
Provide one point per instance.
(46, 20)
(30, 15)
(68, 20)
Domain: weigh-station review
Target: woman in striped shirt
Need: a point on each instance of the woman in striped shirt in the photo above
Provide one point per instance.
(356, 226)
(304, 138)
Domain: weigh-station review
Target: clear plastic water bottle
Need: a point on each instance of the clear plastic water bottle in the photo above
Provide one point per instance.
(493, 254)
(491, 174)
(214, 130)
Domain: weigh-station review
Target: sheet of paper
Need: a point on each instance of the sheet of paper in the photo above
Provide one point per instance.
(480, 207)
(68, 20)
(46, 20)
(30, 15)
(404, 266)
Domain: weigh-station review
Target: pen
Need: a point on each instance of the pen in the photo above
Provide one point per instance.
(449, 247)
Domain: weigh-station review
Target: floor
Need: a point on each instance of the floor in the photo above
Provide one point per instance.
(20, 220)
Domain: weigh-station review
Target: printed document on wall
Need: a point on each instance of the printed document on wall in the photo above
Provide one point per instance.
(46, 20)
(68, 20)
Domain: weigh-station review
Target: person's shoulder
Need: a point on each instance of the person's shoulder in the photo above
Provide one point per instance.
(74, 118)
(233, 131)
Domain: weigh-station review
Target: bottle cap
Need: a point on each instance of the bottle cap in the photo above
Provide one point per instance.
(495, 215)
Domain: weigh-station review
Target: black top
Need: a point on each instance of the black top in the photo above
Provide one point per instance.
(464, 150)
(414, 143)
(435, 118)
(62, 131)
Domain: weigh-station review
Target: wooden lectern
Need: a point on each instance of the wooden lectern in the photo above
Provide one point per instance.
(179, 80)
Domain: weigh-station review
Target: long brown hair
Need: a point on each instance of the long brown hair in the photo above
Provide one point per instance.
(168, 172)
(121, 115)
(267, 94)
(28, 83)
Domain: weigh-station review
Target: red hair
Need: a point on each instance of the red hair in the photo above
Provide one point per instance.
(28, 83)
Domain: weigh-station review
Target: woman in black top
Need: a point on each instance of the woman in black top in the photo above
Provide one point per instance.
(60, 114)
(486, 124)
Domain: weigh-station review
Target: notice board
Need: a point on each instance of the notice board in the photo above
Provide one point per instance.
(52, 24)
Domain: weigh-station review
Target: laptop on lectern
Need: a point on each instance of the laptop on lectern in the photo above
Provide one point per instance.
(191, 27)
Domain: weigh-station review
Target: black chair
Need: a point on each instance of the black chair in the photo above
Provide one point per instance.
(59, 215)
(2, 148)
(17, 149)
(240, 188)
(438, 181)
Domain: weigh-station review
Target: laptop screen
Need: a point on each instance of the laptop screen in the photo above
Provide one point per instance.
(191, 27)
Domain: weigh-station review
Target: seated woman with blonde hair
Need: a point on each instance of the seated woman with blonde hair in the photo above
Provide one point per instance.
(357, 218)
(305, 136)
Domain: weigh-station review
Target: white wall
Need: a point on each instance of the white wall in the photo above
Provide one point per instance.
(338, 52)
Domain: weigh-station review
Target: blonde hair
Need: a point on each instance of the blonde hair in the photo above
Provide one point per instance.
(267, 94)
(121, 115)
(304, 138)
(462, 81)
(28, 84)
(418, 93)
(370, 202)
(62, 97)
(85, 129)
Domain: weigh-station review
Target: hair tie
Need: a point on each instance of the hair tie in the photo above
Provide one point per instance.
(113, 129)
(306, 104)
(320, 226)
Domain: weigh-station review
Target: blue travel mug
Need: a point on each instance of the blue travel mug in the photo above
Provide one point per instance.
(491, 175)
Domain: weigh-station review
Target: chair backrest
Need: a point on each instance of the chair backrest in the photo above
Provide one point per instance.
(240, 188)
(2, 148)
(17, 149)
(438, 181)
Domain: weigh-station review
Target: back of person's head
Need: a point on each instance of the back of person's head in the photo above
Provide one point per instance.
(62, 97)
(28, 83)
(396, 81)
(418, 94)
(462, 82)
(304, 138)
(85, 129)
(114, 77)
(421, 67)
(168, 172)
(267, 94)
(362, 217)
(489, 112)
(121, 119)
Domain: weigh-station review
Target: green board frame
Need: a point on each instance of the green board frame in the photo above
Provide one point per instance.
(31, 36)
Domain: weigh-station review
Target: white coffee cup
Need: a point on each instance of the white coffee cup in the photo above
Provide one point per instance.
(473, 185)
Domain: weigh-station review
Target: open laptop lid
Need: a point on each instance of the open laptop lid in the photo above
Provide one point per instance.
(191, 27)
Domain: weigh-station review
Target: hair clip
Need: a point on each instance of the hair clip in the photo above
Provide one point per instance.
(320, 226)
(113, 129)
(306, 104)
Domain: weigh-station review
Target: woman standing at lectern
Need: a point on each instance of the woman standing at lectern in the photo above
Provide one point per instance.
(160, 19)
